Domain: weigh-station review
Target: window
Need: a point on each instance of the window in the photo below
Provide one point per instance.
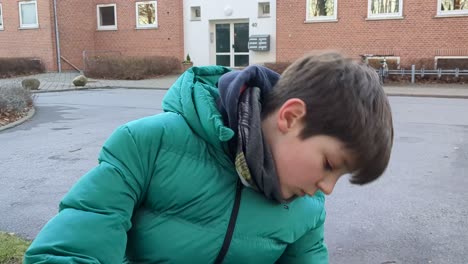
(264, 9)
(107, 17)
(452, 7)
(321, 10)
(1, 17)
(146, 14)
(195, 13)
(385, 9)
(28, 14)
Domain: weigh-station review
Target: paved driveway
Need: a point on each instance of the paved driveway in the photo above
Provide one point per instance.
(416, 213)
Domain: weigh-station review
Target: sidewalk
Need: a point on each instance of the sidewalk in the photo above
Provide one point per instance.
(54, 82)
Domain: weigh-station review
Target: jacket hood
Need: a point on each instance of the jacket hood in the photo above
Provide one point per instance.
(194, 96)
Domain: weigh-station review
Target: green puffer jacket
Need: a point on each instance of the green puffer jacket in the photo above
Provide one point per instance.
(164, 190)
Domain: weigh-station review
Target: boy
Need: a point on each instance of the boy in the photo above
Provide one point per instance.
(169, 188)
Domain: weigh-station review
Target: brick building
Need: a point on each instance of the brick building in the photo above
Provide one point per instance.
(412, 31)
(233, 33)
(127, 27)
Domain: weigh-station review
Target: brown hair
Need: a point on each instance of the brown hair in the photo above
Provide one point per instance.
(345, 100)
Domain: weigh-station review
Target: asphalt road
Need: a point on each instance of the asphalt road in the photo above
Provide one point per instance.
(416, 213)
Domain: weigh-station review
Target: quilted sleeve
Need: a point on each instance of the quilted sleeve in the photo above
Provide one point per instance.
(309, 249)
(95, 214)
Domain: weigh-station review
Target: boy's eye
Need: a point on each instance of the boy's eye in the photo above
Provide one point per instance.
(327, 165)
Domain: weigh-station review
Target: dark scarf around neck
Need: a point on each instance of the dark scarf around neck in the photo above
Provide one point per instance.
(241, 93)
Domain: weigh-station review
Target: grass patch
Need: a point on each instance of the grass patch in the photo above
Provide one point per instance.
(12, 248)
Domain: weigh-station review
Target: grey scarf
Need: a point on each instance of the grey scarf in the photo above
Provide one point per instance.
(241, 95)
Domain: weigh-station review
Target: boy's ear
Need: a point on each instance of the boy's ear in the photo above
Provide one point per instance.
(290, 115)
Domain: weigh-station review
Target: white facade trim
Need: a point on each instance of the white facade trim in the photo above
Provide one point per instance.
(454, 13)
(200, 34)
(1, 17)
(395, 15)
(99, 26)
(312, 19)
(20, 8)
(137, 15)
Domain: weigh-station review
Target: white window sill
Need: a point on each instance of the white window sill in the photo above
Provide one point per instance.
(28, 27)
(107, 29)
(195, 19)
(264, 16)
(1, 28)
(385, 18)
(152, 27)
(321, 20)
(450, 15)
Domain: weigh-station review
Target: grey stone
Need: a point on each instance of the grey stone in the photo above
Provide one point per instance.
(30, 84)
(80, 80)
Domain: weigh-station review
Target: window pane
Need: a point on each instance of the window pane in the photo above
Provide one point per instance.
(28, 14)
(107, 16)
(385, 6)
(146, 14)
(241, 60)
(321, 8)
(223, 38)
(223, 60)
(450, 5)
(241, 37)
(1, 18)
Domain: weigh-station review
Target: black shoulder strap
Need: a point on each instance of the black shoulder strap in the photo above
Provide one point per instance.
(232, 224)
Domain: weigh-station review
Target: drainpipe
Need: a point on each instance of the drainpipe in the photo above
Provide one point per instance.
(57, 38)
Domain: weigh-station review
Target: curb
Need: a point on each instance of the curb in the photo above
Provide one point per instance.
(448, 96)
(30, 114)
(99, 87)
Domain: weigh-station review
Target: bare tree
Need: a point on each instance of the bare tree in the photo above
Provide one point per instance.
(146, 13)
(321, 7)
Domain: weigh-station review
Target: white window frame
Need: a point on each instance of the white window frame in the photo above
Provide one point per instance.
(261, 9)
(99, 27)
(155, 25)
(312, 19)
(1, 17)
(193, 10)
(436, 59)
(463, 12)
(398, 15)
(36, 25)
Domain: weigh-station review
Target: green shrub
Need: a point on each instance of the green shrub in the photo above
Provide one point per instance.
(11, 67)
(12, 248)
(451, 64)
(392, 64)
(278, 67)
(14, 99)
(130, 68)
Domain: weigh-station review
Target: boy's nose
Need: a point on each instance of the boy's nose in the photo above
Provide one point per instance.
(327, 185)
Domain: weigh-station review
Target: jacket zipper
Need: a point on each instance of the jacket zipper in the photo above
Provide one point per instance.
(232, 224)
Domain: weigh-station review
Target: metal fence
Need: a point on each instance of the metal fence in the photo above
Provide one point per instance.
(421, 72)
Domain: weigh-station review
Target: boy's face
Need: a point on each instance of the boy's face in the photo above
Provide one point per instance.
(304, 165)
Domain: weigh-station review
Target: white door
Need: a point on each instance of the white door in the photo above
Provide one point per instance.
(232, 44)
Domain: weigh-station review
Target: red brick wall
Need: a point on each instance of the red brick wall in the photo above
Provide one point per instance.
(78, 32)
(77, 28)
(166, 40)
(38, 42)
(419, 35)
